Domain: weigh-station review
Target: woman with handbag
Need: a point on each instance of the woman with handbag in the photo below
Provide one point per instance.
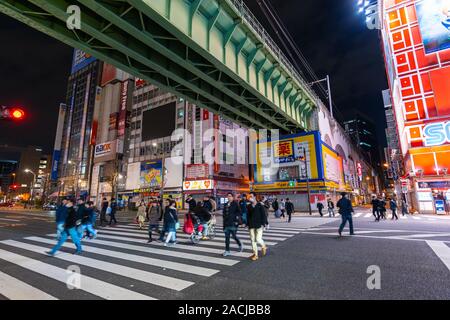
(171, 221)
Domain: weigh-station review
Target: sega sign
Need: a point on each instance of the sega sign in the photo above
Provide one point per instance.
(102, 149)
(436, 134)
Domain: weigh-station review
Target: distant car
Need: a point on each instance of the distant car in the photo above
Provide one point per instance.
(49, 206)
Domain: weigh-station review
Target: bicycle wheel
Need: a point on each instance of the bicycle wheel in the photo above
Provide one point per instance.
(195, 239)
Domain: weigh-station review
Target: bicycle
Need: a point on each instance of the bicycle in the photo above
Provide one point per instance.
(197, 235)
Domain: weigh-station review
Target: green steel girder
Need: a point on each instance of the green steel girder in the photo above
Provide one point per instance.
(30, 14)
(135, 37)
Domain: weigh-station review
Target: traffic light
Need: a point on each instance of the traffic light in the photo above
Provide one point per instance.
(11, 113)
(14, 187)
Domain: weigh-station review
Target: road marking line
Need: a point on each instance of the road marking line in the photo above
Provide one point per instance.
(403, 217)
(188, 247)
(145, 276)
(441, 250)
(245, 235)
(15, 289)
(275, 228)
(13, 220)
(417, 218)
(368, 215)
(96, 287)
(426, 235)
(357, 214)
(179, 235)
(157, 262)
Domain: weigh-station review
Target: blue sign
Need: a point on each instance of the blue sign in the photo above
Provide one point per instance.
(55, 163)
(440, 205)
(434, 22)
(80, 60)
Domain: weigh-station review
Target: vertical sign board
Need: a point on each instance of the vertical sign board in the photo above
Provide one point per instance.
(124, 99)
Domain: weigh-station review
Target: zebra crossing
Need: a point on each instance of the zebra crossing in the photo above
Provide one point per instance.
(369, 215)
(119, 264)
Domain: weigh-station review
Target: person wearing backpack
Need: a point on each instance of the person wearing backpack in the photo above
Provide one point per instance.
(171, 220)
(231, 219)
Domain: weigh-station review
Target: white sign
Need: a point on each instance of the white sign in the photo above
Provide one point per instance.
(103, 148)
(198, 185)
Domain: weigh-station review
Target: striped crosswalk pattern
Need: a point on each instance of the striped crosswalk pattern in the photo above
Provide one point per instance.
(120, 264)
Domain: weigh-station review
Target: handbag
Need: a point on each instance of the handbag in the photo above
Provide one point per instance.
(188, 227)
(108, 210)
(177, 225)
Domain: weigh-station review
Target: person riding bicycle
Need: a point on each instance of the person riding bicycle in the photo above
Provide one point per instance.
(204, 216)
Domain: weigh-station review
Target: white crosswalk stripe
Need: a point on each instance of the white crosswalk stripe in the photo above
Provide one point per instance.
(15, 289)
(121, 252)
(96, 287)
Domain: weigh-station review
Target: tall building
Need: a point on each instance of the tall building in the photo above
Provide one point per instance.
(416, 42)
(14, 161)
(78, 129)
(362, 131)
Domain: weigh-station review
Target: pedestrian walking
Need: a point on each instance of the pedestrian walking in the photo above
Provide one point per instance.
(113, 211)
(289, 209)
(191, 203)
(86, 221)
(153, 216)
(330, 205)
(243, 203)
(60, 218)
(382, 207)
(171, 218)
(231, 219)
(105, 205)
(257, 220)
(204, 215)
(141, 214)
(345, 210)
(393, 206)
(81, 208)
(320, 208)
(70, 229)
(276, 208)
(375, 209)
(404, 207)
(283, 209)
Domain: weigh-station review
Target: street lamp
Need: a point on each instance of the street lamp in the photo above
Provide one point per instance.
(32, 184)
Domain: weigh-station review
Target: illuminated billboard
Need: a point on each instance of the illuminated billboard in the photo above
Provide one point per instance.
(151, 174)
(434, 22)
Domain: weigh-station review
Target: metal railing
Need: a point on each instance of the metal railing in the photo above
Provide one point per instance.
(252, 22)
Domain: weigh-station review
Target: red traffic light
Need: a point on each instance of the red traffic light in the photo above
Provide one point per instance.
(11, 113)
(14, 186)
(17, 114)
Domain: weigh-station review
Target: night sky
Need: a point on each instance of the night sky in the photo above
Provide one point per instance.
(332, 36)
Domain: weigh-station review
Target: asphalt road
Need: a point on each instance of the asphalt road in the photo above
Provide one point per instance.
(306, 260)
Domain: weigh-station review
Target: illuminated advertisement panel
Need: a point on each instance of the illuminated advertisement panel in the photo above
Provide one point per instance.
(286, 157)
(333, 166)
(434, 22)
(151, 174)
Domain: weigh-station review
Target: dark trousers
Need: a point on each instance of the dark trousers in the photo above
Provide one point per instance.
(376, 213)
(231, 232)
(103, 217)
(113, 217)
(320, 212)
(394, 214)
(290, 216)
(152, 227)
(282, 213)
(345, 218)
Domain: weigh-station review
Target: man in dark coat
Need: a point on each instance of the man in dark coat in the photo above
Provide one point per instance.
(113, 211)
(375, 211)
(231, 216)
(105, 205)
(289, 208)
(320, 207)
(345, 210)
(191, 203)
